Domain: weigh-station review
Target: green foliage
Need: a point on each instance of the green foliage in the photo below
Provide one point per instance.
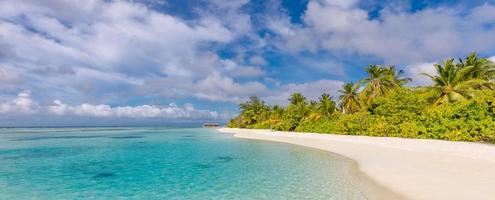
(380, 81)
(460, 106)
(472, 120)
(326, 106)
(349, 98)
(457, 81)
(252, 112)
(295, 112)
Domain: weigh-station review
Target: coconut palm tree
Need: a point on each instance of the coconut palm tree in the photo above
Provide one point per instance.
(455, 82)
(297, 98)
(326, 105)
(377, 83)
(296, 111)
(275, 117)
(253, 110)
(349, 98)
(396, 76)
(482, 67)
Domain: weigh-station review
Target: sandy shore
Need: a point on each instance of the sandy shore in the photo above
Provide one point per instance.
(404, 168)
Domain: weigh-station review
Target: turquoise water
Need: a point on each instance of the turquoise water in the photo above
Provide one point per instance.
(163, 163)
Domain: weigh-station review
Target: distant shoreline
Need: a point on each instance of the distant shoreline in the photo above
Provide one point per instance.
(406, 168)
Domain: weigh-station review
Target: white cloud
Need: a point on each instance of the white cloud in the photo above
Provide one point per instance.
(257, 60)
(492, 58)
(280, 25)
(171, 111)
(397, 37)
(311, 90)
(341, 3)
(236, 70)
(9, 76)
(22, 104)
(218, 88)
(117, 44)
(229, 11)
(414, 72)
(326, 18)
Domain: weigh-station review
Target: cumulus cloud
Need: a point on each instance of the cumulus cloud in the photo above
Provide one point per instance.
(311, 90)
(117, 44)
(172, 111)
(24, 104)
(397, 37)
(216, 87)
(414, 72)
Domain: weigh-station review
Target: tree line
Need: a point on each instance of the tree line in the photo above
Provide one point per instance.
(457, 106)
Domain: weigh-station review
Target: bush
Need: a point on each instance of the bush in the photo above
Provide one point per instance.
(403, 112)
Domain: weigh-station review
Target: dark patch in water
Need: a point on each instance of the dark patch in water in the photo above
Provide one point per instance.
(127, 137)
(203, 165)
(224, 159)
(188, 136)
(18, 157)
(186, 139)
(104, 175)
(57, 137)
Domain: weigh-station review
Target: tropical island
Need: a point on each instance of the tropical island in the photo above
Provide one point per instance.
(414, 156)
(458, 106)
(126, 99)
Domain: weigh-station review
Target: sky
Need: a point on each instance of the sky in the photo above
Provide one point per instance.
(142, 62)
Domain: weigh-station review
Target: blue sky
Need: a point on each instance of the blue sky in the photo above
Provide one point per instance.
(66, 62)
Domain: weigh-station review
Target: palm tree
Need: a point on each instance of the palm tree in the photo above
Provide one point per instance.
(297, 110)
(313, 106)
(455, 82)
(297, 98)
(482, 67)
(326, 106)
(253, 110)
(349, 98)
(377, 83)
(276, 114)
(396, 76)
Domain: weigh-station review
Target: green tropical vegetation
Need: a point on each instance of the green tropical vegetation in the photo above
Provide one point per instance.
(458, 106)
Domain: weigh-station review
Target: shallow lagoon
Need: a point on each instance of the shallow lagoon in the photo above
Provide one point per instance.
(163, 163)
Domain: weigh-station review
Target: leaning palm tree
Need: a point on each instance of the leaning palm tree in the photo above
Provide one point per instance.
(377, 83)
(349, 98)
(455, 82)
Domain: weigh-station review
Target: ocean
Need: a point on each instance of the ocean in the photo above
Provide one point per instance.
(163, 163)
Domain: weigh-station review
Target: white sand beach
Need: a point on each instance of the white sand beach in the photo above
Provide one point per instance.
(408, 168)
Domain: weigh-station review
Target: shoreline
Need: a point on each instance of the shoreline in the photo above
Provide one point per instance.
(397, 168)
